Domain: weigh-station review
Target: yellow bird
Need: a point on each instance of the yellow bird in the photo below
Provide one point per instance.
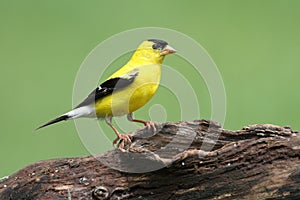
(125, 91)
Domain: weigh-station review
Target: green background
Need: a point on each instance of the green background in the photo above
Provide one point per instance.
(255, 45)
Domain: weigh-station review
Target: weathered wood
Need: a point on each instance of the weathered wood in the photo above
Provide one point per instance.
(185, 160)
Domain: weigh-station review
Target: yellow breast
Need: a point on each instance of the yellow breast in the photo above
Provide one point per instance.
(134, 96)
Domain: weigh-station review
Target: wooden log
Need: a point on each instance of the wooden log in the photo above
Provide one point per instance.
(185, 160)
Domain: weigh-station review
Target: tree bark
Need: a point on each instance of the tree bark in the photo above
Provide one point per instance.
(185, 160)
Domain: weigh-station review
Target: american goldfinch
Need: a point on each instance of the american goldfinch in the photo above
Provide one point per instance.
(125, 91)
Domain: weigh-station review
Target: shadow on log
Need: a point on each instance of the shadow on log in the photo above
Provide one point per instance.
(185, 160)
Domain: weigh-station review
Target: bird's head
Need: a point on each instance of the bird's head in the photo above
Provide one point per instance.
(153, 50)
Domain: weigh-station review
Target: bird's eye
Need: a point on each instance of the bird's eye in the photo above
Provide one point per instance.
(156, 46)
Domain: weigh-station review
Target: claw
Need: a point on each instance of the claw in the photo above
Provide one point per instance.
(150, 125)
(126, 139)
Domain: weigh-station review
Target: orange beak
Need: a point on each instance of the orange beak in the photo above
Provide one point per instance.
(167, 50)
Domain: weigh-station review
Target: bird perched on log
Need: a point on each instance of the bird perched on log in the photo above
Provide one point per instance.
(125, 91)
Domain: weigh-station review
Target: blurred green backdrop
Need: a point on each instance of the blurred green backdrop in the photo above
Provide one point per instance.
(255, 45)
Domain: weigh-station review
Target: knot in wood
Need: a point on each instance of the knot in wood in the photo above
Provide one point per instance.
(120, 193)
(100, 193)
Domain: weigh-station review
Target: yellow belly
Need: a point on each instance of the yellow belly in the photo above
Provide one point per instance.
(132, 97)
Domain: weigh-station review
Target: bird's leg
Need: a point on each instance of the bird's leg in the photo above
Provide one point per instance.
(124, 137)
(148, 124)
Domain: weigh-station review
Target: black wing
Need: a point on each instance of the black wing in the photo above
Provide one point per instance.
(108, 87)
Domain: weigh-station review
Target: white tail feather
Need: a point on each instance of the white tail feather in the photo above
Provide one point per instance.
(85, 111)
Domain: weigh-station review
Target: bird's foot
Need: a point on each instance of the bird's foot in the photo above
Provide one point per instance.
(150, 125)
(125, 138)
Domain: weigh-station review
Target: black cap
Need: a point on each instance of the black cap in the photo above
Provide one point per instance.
(158, 44)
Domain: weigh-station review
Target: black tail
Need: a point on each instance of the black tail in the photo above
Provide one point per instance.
(61, 118)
